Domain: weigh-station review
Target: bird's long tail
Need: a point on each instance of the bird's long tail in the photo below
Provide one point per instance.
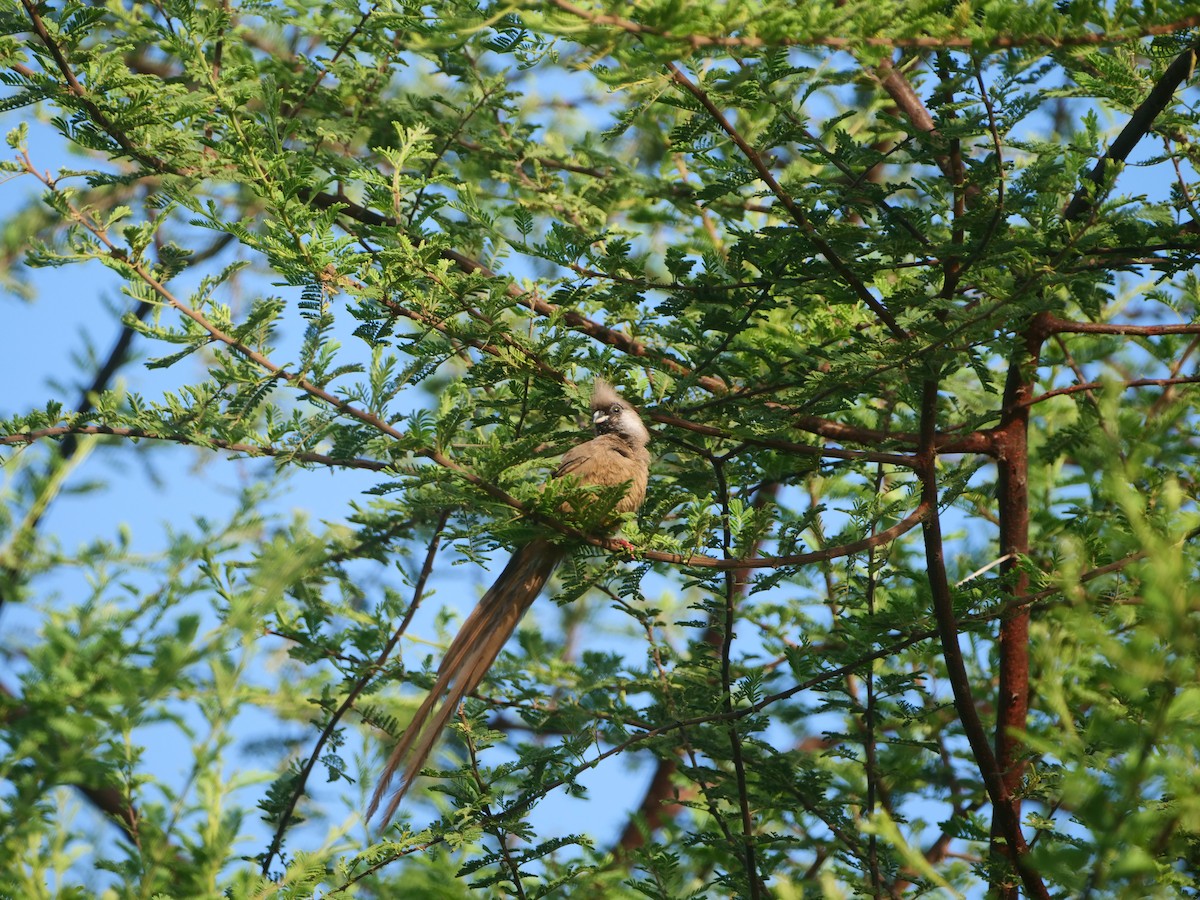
(471, 654)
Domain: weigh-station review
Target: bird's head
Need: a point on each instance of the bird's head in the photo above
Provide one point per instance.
(613, 415)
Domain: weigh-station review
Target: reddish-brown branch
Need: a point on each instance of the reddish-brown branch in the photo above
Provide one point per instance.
(1012, 701)
(901, 91)
(973, 442)
(1050, 324)
(947, 157)
(956, 670)
(823, 427)
(1096, 385)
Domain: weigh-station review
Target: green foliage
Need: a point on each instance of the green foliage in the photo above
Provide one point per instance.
(845, 257)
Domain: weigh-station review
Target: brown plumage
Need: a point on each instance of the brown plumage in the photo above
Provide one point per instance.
(616, 455)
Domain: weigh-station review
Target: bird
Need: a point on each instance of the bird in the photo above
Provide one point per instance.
(615, 456)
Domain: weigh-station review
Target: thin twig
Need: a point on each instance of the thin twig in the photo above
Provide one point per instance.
(141, 434)
(359, 686)
(794, 211)
(1096, 385)
(735, 739)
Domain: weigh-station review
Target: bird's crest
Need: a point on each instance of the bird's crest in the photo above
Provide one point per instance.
(603, 395)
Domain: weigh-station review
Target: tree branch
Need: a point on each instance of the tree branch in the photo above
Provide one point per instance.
(794, 211)
(29, 437)
(1096, 385)
(960, 683)
(732, 592)
(356, 689)
(530, 299)
(1012, 497)
(1135, 129)
(82, 95)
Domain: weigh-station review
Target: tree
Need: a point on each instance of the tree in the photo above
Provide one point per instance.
(906, 292)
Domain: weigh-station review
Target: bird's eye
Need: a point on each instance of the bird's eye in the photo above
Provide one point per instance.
(616, 409)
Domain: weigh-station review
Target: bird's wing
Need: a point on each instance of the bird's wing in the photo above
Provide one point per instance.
(579, 460)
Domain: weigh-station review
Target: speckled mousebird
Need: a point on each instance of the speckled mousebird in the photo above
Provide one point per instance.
(617, 455)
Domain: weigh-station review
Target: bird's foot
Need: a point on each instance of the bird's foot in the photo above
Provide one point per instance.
(626, 546)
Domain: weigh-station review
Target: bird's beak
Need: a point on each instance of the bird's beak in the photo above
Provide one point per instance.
(599, 416)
